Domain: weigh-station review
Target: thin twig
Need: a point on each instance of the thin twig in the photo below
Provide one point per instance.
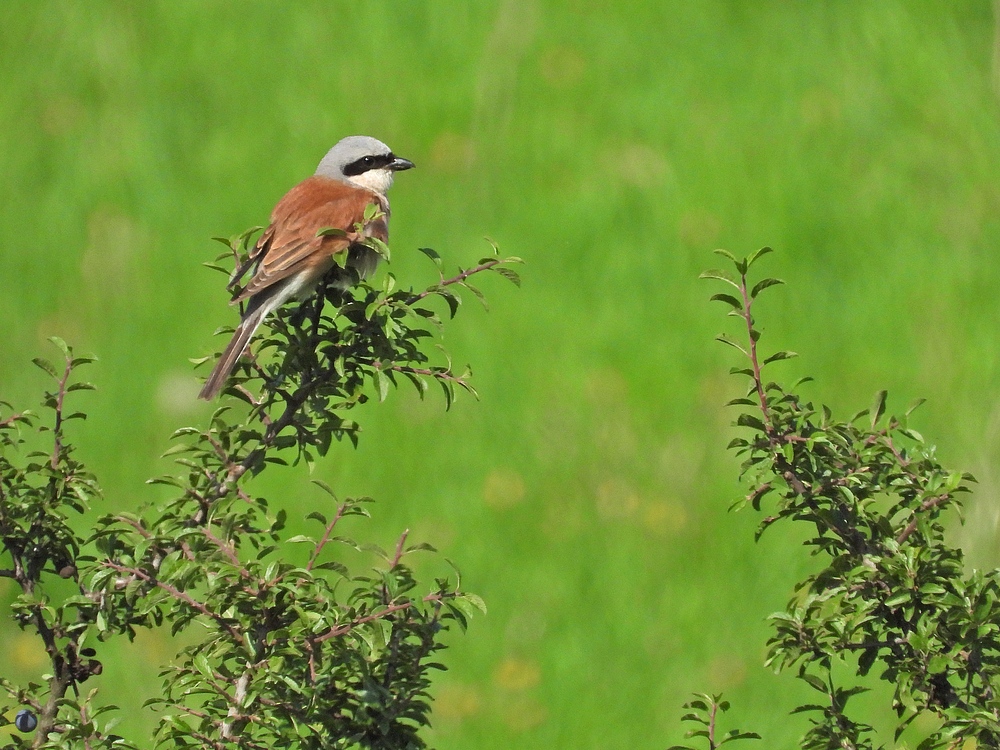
(931, 502)
(10, 420)
(754, 360)
(227, 549)
(399, 549)
(433, 373)
(181, 597)
(347, 627)
(57, 433)
(711, 725)
(326, 536)
(455, 279)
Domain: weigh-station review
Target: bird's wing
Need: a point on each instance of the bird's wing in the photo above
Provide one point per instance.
(290, 244)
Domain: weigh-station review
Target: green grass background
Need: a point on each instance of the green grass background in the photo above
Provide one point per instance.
(613, 146)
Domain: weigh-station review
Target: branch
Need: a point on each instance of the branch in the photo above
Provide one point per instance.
(485, 266)
(754, 359)
(229, 551)
(931, 502)
(64, 673)
(326, 536)
(439, 374)
(347, 627)
(711, 725)
(399, 549)
(180, 596)
(57, 427)
(239, 695)
(10, 420)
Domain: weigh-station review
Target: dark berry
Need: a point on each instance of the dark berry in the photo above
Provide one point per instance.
(25, 721)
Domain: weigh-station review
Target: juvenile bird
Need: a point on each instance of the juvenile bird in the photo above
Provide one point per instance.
(293, 254)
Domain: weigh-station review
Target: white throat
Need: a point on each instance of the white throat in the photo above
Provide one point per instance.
(377, 180)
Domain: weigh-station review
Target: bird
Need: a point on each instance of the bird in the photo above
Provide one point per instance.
(314, 221)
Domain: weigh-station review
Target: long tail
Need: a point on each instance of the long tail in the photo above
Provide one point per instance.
(254, 316)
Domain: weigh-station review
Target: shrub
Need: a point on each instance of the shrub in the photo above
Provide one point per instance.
(890, 598)
(293, 648)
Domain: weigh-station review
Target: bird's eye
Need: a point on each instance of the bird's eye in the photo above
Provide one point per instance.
(368, 161)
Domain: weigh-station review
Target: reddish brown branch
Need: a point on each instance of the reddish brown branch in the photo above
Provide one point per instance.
(439, 374)
(57, 427)
(931, 502)
(10, 420)
(347, 627)
(227, 549)
(455, 279)
(399, 549)
(711, 725)
(181, 597)
(326, 536)
(754, 359)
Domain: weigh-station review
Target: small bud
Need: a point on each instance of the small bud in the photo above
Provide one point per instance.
(25, 721)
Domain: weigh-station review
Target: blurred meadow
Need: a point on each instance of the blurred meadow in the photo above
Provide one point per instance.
(585, 495)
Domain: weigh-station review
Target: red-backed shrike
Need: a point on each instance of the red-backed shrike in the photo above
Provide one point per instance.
(293, 253)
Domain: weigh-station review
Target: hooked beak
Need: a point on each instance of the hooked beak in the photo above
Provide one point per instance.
(399, 164)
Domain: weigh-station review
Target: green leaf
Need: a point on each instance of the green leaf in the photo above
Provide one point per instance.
(475, 601)
(372, 212)
(749, 420)
(383, 384)
(730, 342)
(778, 356)
(878, 407)
(900, 598)
(432, 254)
(719, 276)
(729, 300)
(508, 273)
(330, 232)
(201, 663)
(757, 255)
(45, 365)
(814, 681)
(866, 660)
(479, 294)
(736, 734)
(327, 489)
(763, 284)
(61, 346)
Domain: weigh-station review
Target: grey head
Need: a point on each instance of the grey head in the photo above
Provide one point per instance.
(363, 161)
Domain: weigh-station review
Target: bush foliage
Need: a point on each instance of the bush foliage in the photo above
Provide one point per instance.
(891, 599)
(293, 647)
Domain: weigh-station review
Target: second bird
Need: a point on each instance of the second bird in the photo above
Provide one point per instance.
(291, 256)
